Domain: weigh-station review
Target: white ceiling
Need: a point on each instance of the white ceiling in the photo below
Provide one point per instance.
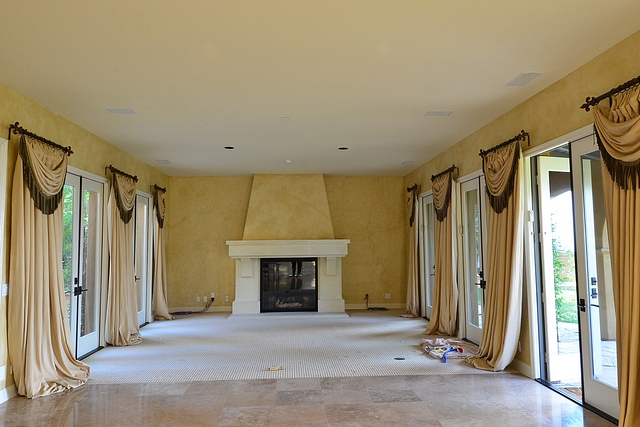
(207, 74)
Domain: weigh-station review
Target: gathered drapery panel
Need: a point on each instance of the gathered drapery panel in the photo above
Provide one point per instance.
(160, 306)
(122, 309)
(444, 311)
(618, 132)
(503, 269)
(413, 276)
(38, 328)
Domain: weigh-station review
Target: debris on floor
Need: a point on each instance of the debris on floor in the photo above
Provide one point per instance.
(275, 368)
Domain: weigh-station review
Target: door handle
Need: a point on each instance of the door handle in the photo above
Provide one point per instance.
(483, 283)
(77, 291)
(581, 305)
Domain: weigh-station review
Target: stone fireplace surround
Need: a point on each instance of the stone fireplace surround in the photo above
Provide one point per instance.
(248, 253)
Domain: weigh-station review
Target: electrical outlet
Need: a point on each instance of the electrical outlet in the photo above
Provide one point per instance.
(213, 295)
(226, 298)
(197, 299)
(204, 298)
(387, 296)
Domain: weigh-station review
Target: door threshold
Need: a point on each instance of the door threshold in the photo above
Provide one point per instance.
(580, 402)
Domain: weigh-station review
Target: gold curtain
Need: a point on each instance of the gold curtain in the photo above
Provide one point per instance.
(413, 276)
(160, 308)
(122, 309)
(503, 269)
(444, 312)
(38, 327)
(618, 133)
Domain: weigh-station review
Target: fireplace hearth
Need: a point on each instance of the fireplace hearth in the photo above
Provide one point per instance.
(288, 284)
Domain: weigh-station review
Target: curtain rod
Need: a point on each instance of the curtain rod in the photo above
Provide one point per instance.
(157, 187)
(438, 175)
(519, 137)
(410, 189)
(592, 101)
(116, 170)
(19, 129)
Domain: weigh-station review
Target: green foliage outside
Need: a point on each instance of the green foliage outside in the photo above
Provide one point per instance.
(564, 272)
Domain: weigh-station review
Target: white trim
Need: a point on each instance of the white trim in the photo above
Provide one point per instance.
(523, 368)
(469, 176)
(8, 393)
(561, 140)
(85, 174)
(212, 309)
(388, 306)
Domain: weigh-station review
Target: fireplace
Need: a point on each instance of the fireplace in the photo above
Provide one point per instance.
(288, 284)
(249, 254)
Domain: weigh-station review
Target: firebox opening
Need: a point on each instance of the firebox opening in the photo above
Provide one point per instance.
(288, 284)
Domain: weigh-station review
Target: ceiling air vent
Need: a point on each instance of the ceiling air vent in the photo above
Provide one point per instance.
(523, 79)
(439, 113)
(122, 111)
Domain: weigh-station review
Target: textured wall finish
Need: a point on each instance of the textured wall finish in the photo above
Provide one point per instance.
(550, 114)
(91, 154)
(287, 207)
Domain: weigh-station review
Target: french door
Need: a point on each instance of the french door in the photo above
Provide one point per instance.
(142, 256)
(558, 271)
(595, 284)
(82, 260)
(472, 195)
(428, 261)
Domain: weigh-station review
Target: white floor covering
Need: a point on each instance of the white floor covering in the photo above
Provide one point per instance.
(205, 347)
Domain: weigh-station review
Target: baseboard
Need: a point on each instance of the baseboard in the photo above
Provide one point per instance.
(214, 309)
(8, 393)
(522, 367)
(388, 306)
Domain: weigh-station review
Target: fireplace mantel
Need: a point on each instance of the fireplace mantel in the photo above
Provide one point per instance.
(247, 254)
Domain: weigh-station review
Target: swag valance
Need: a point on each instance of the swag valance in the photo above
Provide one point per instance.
(124, 189)
(441, 184)
(500, 165)
(159, 204)
(618, 136)
(44, 171)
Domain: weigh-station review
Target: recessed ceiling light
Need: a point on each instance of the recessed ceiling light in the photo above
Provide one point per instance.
(523, 79)
(288, 161)
(439, 113)
(408, 162)
(285, 118)
(163, 162)
(343, 148)
(122, 111)
(229, 147)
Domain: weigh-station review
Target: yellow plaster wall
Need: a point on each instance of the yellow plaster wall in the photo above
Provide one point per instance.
(548, 115)
(370, 212)
(91, 154)
(206, 212)
(286, 207)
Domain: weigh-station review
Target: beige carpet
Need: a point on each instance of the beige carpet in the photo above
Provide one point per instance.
(203, 347)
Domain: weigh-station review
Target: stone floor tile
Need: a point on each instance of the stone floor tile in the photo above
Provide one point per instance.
(300, 397)
(379, 395)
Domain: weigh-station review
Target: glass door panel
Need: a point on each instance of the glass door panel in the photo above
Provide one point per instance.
(81, 260)
(558, 272)
(595, 290)
(428, 259)
(472, 229)
(141, 253)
